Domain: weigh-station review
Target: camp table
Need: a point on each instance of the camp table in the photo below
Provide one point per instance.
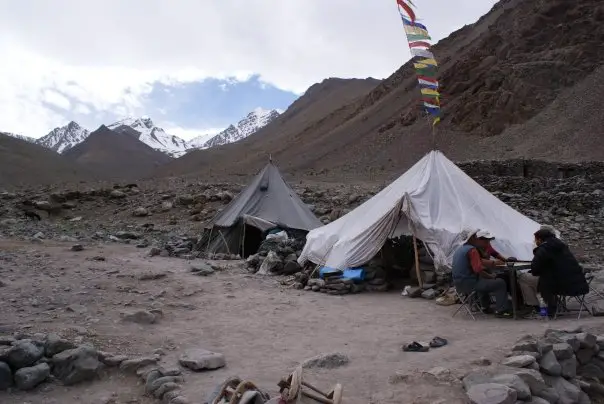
(512, 267)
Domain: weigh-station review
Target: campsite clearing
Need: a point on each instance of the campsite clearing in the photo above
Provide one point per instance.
(263, 329)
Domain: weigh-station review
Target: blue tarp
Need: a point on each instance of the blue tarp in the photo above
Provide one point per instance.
(356, 274)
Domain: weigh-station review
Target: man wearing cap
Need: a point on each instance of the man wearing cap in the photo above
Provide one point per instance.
(488, 251)
(470, 274)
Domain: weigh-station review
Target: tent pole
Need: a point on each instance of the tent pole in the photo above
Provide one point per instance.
(209, 240)
(243, 242)
(417, 270)
(225, 242)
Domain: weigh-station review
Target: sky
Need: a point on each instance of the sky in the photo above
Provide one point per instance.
(193, 66)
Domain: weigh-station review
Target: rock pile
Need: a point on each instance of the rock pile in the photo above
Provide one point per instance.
(562, 367)
(28, 362)
(277, 257)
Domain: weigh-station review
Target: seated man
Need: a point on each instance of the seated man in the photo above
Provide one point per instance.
(529, 283)
(488, 251)
(469, 274)
(558, 270)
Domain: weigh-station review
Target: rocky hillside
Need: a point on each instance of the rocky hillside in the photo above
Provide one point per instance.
(502, 77)
(116, 155)
(25, 163)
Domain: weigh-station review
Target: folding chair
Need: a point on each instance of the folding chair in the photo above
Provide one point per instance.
(469, 302)
(562, 305)
(589, 277)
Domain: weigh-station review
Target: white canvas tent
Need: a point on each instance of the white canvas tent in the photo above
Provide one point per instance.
(434, 200)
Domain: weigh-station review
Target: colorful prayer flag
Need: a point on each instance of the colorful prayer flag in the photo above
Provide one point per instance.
(424, 61)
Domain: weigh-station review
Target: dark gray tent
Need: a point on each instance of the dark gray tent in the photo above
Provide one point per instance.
(266, 203)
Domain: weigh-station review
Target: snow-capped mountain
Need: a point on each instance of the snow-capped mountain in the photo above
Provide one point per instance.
(22, 137)
(64, 138)
(145, 131)
(255, 120)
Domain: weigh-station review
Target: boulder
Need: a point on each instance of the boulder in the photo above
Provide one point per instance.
(584, 355)
(291, 267)
(200, 359)
(24, 354)
(140, 317)
(28, 378)
(516, 383)
(563, 351)
(55, 344)
(76, 365)
(140, 212)
(568, 392)
(550, 365)
(132, 365)
(6, 376)
(201, 269)
(569, 367)
(520, 361)
(587, 340)
(491, 393)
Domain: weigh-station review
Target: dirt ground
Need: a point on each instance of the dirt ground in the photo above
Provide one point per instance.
(263, 328)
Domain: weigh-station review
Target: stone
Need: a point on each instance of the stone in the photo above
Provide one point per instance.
(113, 360)
(536, 400)
(549, 364)
(556, 336)
(291, 267)
(521, 361)
(170, 395)
(28, 378)
(516, 383)
(326, 361)
(132, 365)
(569, 367)
(6, 340)
(543, 347)
(563, 351)
(117, 194)
(201, 269)
(585, 355)
(587, 340)
(6, 376)
(164, 388)
(482, 361)
(140, 317)
(76, 365)
(568, 392)
(140, 212)
(55, 344)
(77, 247)
(591, 371)
(157, 383)
(526, 346)
(151, 377)
(198, 359)
(24, 353)
(491, 393)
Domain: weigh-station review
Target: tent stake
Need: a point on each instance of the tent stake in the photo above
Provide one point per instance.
(417, 270)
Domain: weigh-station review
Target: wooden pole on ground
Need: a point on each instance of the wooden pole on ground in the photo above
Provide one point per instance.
(417, 269)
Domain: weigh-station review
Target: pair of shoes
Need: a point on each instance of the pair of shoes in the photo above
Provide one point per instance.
(533, 315)
(415, 347)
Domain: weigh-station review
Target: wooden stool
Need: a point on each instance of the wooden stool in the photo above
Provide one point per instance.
(293, 387)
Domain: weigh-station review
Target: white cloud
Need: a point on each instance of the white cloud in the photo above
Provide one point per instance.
(106, 54)
(55, 98)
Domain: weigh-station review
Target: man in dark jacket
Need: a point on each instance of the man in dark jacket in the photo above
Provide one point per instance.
(558, 270)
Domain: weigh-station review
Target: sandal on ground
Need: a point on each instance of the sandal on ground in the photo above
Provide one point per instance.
(438, 342)
(415, 347)
(504, 314)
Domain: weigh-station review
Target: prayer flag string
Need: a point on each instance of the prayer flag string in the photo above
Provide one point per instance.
(424, 61)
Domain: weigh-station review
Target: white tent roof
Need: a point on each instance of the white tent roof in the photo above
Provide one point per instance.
(435, 200)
